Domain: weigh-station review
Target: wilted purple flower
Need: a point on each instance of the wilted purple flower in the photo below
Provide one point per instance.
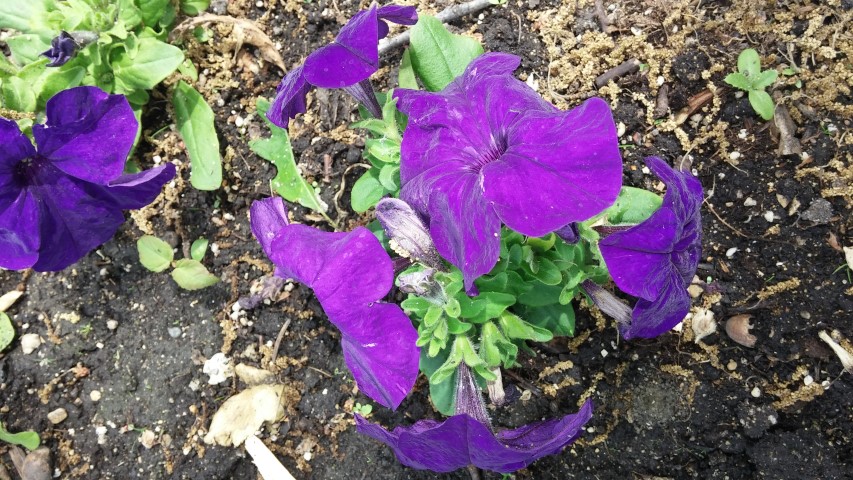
(467, 439)
(60, 201)
(489, 150)
(407, 230)
(656, 259)
(65, 45)
(350, 273)
(346, 63)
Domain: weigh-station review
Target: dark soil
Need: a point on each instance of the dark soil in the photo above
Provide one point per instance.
(666, 408)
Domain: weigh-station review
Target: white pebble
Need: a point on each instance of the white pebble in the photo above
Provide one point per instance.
(769, 216)
(95, 395)
(604, 353)
(57, 416)
(734, 155)
(808, 380)
(749, 202)
(756, 392)
(30, 342)
(731, 252)
(112, 324)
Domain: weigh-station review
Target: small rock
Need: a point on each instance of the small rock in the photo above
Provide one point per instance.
(219, 368)
(174, 332)
(148, 439)
(30, 342)
(732, 365)
(819, 212)
(112, 324)
(57, 416)
(95, 395)
(749, 202)
(756, 392)
(769, 216)
(695, 290)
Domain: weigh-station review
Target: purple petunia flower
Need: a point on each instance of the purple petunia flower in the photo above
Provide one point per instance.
(656, 259)
(60, 201)
(350, 273)
(489, 150)
(346, 63)
(62, 49)
(467, 438)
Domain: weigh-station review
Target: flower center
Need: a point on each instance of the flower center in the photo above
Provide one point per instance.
(25, 169)
(498, 146)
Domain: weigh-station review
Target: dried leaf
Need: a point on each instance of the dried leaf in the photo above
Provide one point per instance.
(243, 414)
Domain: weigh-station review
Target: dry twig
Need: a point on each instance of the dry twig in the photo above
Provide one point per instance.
(623, 68)
(447, 15)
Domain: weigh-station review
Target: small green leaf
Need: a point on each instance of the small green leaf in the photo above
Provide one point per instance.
(439, 56)
(187, 67)
(198, 248)
(442, 394)
(495, 304)
(194, 7)
(762, 103)
(7, 333)
(29, 440)
(749, 63)
(389, 177)
(288, 182)
(150, 64)
(406, 76)
(788, 71)
(55, 80)
(151, 10)
(27, 16)
(192, 275)
(154, 254)
(18, 95)
(452, 308)
(764, 79)
(738, 80)
(416, 305)
(367, 191)
(557, 319)
(194, 118)
(517, 329)
(26, 48)
(632, 206)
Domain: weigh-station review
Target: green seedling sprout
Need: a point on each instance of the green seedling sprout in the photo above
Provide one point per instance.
(751, 79)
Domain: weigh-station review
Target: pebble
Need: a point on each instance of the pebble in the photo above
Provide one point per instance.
(769, 216)
(112, 324)
(749, 202)
(756, 392)
(805, 315)
(57, 416)
(30, 342)
(695, 291)
(732, 365)
(731, 252)
(734, 155)
(174, 332)
(808, 380)
(95, 395)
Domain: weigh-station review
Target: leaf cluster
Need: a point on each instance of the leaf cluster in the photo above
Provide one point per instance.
(753, 80)
(189, 273)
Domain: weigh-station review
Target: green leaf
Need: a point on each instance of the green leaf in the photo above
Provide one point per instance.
(494, 304)
(195, 122)
(18, 95)
(389, 177)
(517, 329)
(151, 10)
(191, 275)
(288, 182)
(406, 76)
(557, 319)
(154, 254)
(439, 56)
(187, 67)
(738, 80)
(548, 273)
(540, 294)
(27, 16)
(495, 348)
(749, 63)
(194, 7)
(55, 80)
(632, 206)
(442, 394)
(764, 79)
(762, 103)
(27, 47)
(7, 333)
(150, 64)
(29, 440)
(416, 305)
(452, 308)
(198, 248)
(7, 68)
(367, 191)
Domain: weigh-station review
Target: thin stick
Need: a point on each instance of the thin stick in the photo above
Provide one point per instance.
(278, 340)
(623, 68)
(602, 16)
(662, 102)
(447, 15)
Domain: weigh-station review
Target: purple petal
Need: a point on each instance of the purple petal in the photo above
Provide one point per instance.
(351, 58)
(460, 441)
(557, 169)
(463, 226)
(289, 98)
(399, 14)
(74, 218)
(268, 217)
(129, 192)
(16, 147)
(377, 338)
(88, 133)
(652, 318)
(378, 342)
(62, 49)
(19, 232)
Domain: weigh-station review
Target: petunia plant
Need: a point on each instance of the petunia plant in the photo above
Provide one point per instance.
(64, 197)
(495, 213)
